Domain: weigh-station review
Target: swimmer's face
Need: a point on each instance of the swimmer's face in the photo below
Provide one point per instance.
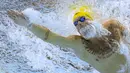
(85, 27)
(81, 22)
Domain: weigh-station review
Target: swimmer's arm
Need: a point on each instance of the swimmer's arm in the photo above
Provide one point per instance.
(124, 31)
(45, 34)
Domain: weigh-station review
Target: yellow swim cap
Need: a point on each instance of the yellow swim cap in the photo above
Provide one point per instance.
(83, 11)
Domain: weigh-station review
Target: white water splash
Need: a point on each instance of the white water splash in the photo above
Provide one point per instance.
(56, 20)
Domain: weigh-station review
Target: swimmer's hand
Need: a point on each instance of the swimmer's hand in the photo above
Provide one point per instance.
(19, 18)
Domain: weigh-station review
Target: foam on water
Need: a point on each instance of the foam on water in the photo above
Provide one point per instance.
(50, 59)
